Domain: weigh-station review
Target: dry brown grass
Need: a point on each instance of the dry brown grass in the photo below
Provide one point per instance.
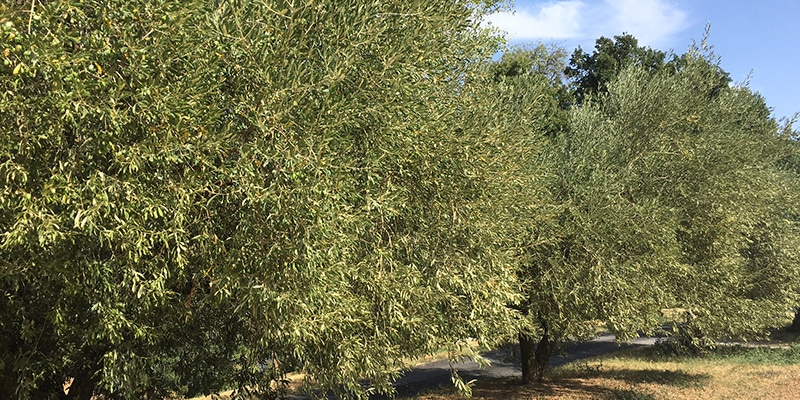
(630, 376)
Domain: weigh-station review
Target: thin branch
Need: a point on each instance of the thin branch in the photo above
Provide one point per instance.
(30, 17)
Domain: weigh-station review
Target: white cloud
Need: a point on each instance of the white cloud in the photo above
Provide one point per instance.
(559, 20)
(650, 21)
(653, 22)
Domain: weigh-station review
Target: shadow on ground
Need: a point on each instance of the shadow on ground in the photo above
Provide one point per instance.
(586, 384)
(678, 378)
(499, 389)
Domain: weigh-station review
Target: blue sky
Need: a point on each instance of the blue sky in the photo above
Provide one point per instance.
(762, 37)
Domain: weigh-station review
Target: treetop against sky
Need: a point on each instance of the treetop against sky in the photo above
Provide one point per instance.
(756, 40)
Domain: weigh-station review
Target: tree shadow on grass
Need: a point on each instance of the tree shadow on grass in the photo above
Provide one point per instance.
(633, 376)
(677, 378)
(549, 388)
(513, 389)
(594, 384)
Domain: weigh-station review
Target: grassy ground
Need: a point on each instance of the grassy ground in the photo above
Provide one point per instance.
(646, 374)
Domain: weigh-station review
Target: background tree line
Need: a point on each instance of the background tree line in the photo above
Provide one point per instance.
(208, 195)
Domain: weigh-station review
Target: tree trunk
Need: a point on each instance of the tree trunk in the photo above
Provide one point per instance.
(84, 381)
(535, 357)
(82, 388)
(527, 347)
(543, 352)
(795, 327)
(8, 384)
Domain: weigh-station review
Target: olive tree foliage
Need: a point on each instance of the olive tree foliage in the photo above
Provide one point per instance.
(662, 194)
(707, 155)
(592, 251)
(542, 65)
(207, 194)
(790, 163)
(514, 101)
(573, 276)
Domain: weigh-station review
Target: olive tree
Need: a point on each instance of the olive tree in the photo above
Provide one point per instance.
(206, 194)
(661, 194)
(790, 164)
(715, 170)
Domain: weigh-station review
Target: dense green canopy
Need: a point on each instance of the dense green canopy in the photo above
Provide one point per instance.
(201, 194)
(205, 195)
(662, 194)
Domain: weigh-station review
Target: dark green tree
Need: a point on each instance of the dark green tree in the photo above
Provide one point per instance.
(590, 74)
